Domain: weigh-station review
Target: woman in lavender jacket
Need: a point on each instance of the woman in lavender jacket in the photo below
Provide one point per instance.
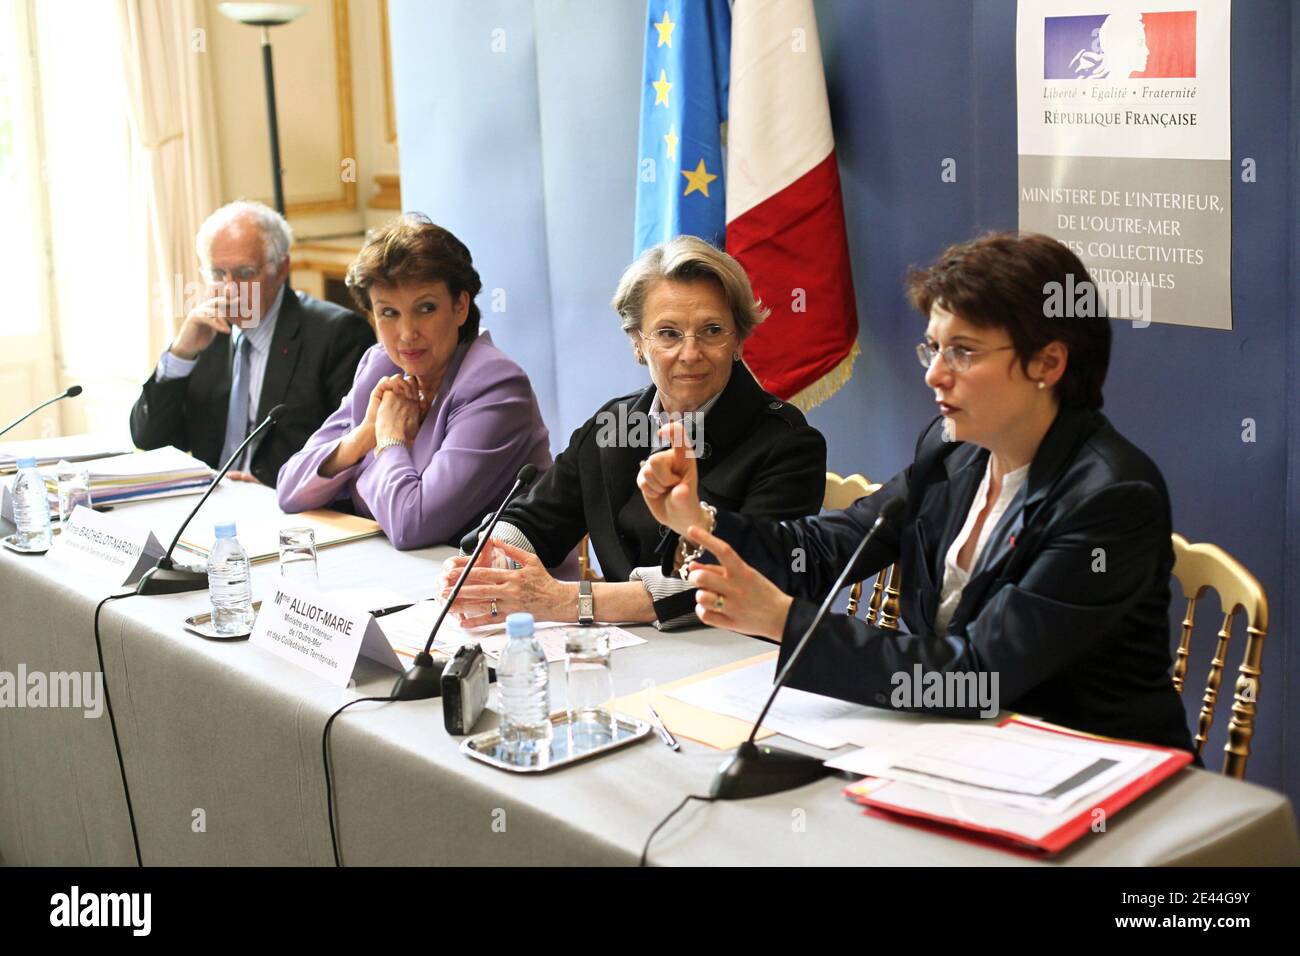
(439, 421)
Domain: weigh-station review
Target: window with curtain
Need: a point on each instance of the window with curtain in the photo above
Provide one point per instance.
(95, 219)
(19, 197)
(72, 222)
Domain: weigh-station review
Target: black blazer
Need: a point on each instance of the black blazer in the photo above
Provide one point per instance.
(313, 358)
(1068, 603)
(760, 457)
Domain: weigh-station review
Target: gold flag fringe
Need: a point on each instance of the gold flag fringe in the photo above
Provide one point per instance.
(826, 386)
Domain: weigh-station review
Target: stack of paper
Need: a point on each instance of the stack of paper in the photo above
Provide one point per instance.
(47, 451)
(133, 477)
(1035, 785)
(147, 474)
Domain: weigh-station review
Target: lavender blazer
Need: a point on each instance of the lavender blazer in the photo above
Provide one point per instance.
(484, 425)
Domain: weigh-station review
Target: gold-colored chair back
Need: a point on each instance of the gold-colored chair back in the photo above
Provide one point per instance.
(584, 560)
(1200, 567)
(882, 608)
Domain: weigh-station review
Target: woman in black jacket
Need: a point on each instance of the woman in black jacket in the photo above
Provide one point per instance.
(687, 309)
(1035, 540)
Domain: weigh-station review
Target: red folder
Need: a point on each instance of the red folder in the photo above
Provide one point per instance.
(1058, 839)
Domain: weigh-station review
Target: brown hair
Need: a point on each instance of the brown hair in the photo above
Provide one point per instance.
(1004, 280)
(411, 248)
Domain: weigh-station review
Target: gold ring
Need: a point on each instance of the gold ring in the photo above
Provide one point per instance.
(495, 612)
(719, 603)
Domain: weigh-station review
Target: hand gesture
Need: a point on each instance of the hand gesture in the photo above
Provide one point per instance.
(733, 595)
(205, 322)
(669, 483)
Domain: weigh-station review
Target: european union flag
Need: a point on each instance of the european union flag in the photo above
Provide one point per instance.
(680, 182)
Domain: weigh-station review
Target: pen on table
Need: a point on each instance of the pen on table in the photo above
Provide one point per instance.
(390, 610)
(669, 740)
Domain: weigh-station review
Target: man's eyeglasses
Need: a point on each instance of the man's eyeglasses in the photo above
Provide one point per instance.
(240, 274)
(670, 339)
(956, 357)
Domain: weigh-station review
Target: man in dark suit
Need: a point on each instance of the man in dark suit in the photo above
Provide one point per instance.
(252, 344)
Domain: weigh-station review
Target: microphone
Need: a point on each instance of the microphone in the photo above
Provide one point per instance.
(423, 679)
(165, 577)
(72, 392)
(753, 770)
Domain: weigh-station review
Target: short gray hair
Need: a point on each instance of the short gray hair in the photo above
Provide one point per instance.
(687, 259)
(277, 235)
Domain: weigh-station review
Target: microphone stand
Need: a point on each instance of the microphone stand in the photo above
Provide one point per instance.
(755, 770)
(72, 392)
(165, 577)
(423, 679)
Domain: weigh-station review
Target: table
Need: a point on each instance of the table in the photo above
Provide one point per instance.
(221, 744)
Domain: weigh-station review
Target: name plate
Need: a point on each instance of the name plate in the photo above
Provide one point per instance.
(320, 633)
(105, 547)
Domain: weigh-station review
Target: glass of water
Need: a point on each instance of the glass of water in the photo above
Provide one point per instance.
(590, 686)
(298, 556)
(74, 489)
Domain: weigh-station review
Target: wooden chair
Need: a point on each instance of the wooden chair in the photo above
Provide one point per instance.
(882, 608)
(584, 560)
(1200, 567)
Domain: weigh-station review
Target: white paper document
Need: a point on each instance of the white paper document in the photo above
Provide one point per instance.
(408, 630)
(976, 812)
(824, 722)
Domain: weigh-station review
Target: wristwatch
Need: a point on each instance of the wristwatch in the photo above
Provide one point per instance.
(586, 607)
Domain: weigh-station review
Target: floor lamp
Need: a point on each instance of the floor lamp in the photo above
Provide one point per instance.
(265, 16)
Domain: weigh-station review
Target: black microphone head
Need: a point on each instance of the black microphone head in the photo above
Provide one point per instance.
(276, 412)
(891, 511)
(73, 391)
(526, 475)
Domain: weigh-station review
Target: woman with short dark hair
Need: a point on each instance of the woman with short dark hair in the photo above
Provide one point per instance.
(1034, 545)
(439, 420)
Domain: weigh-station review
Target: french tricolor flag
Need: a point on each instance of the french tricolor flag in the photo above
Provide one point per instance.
(785, 214)
(754, 66)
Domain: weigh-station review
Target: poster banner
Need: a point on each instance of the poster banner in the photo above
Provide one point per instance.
(1125, 150)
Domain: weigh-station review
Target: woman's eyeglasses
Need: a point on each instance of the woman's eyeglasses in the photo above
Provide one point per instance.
(956, 357)
(670, 339)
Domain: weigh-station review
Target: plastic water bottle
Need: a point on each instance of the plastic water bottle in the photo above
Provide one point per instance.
(31, 507)
(229, 583)
(523, 677)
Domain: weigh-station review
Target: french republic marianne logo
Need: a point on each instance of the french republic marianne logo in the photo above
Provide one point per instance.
(1120, 46)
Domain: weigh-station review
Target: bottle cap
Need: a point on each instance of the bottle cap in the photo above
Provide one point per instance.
(28, 462)
(226, 530)
(519, 624)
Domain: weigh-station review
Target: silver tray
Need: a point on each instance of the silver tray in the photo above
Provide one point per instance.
(201, 624)
(487, 746)
(11, 543)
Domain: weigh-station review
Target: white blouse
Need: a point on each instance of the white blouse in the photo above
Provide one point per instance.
(954, 577)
